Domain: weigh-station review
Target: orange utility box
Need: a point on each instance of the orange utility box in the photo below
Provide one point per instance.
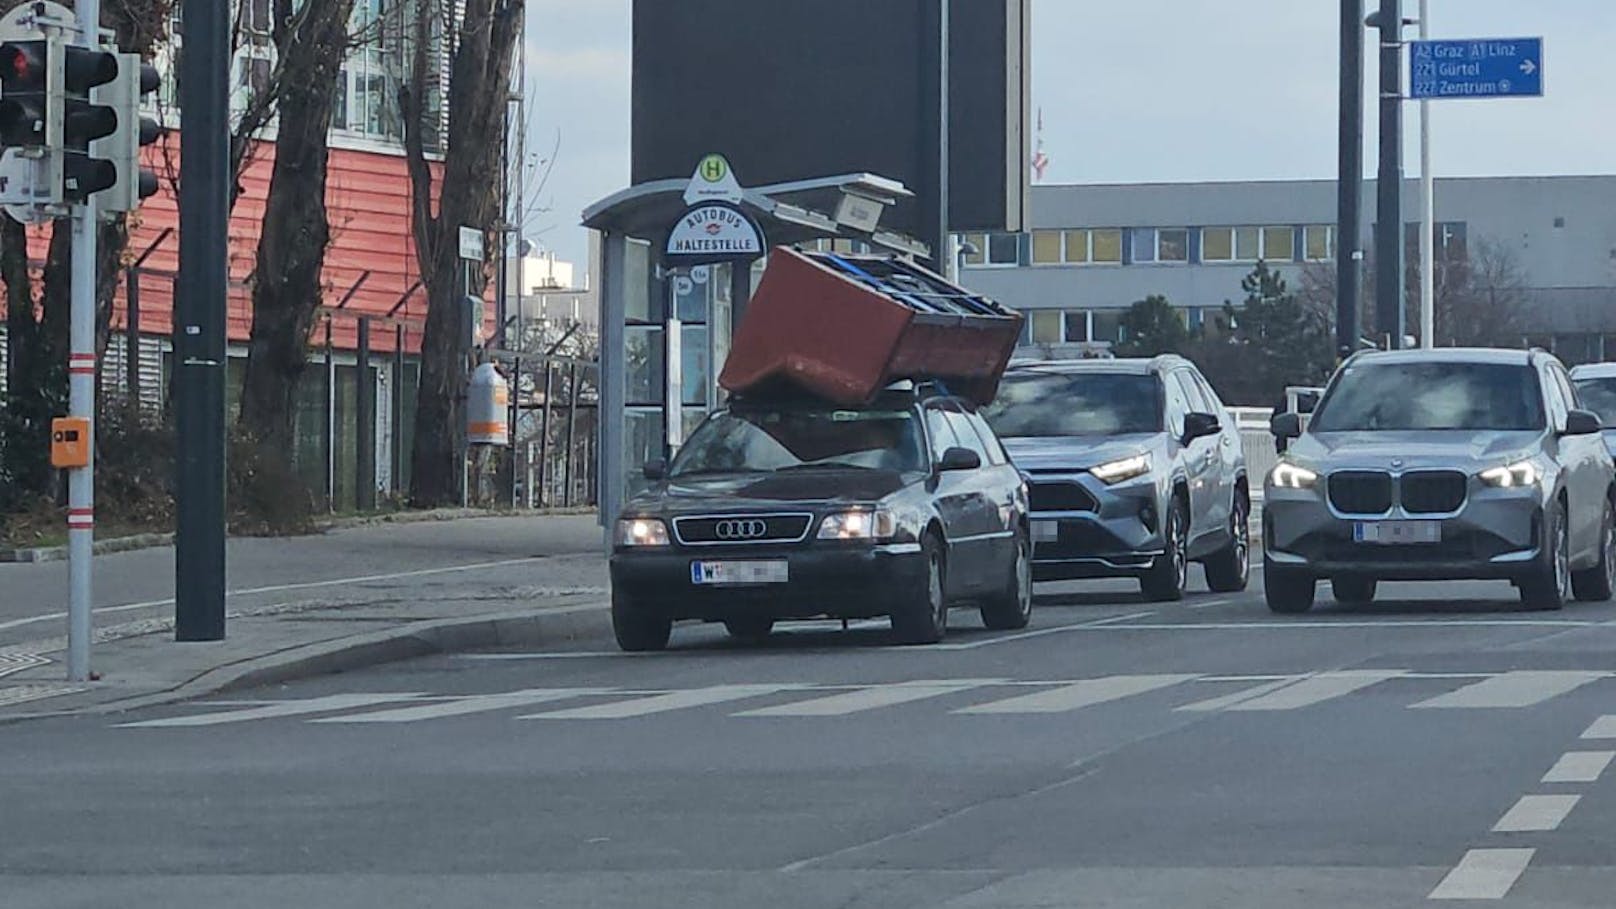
(843, 327)
(70, 442)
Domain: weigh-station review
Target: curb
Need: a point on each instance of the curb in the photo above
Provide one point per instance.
(510, 629)
(153, 540)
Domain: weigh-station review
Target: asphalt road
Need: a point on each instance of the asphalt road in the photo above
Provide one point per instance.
(1116, 754)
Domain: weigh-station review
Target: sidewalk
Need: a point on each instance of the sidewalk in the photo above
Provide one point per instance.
(458, 585)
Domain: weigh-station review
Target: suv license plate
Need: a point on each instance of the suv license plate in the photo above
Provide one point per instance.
(1389, 532)
(776, 571)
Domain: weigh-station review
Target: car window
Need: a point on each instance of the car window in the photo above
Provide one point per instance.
(1566, 391)
(1559, 400)
(996, 453)
(1432, 395)
(942, 434)
(1178, 404)
(966, 434)
(1192, 392)
(1599, 396)
(1043, 405)
(1214, 403)
(765, 441)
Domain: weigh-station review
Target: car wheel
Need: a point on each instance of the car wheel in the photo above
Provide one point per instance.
(1353, 591)
(750, 628)
(1012, 609)
(636, 628)
(1229, 569)
(1596, 584)
(1549, 586)
(1288, 590)
(923, 617)
(1169, 574)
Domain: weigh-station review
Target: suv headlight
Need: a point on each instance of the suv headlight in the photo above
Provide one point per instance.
(1286, 475)
(642, 532)
(1520, 473)
(879, 524)
(1113, 472)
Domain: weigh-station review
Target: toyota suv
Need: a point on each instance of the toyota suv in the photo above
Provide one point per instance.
(903, 508)
(1134, 469)
(1596, 388)
(1441, 465)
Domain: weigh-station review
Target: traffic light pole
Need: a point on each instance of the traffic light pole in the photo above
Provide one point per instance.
(81, 366)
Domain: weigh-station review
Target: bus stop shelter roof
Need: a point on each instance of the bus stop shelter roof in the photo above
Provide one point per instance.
(789, 213)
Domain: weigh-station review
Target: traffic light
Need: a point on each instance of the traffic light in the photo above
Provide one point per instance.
(84, 69)
(23, 113)
(51, 108)
(122, 95)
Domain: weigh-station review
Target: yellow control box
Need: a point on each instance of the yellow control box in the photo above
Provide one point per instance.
(70, 442)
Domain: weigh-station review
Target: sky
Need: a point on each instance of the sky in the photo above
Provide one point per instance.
(1140, 91)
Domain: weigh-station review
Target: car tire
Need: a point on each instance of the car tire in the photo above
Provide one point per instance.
(1596, 584)
(1229, 569)
(1549, 585)
(1169, 574)
(750, 628)
(636, 628)
(1353, 591)
(1289, 591)
(1012, 609)
(922, 618)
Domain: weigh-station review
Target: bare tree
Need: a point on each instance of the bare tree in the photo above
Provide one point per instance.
(480, 42)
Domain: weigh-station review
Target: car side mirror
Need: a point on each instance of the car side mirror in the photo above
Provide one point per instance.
(958, 459)
(1200, 425)
(655, 470)
(1285, 426)
(1582, 423)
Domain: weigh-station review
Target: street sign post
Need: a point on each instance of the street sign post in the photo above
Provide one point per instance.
(1476, 68)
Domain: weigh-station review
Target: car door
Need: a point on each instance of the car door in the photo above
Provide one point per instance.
(990, 505)
(1196, 456)
(1224, 448)
(951, 492)
(1588, 479)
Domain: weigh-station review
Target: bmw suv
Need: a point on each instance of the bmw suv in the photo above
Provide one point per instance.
(774, 510)
(1134, 469)
(1441, 465)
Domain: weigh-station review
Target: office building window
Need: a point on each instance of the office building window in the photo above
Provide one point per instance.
(976, 248)
(1004, 249)
(1107, 325)
(1046, 326)
(1247, 244)
(1105, 246)
(1217, 244)
(1173, 245)
(1077, 327)
(1279, 244)
(1144, 244)
(1077, 246)
(1318, 241)
(1046, 247)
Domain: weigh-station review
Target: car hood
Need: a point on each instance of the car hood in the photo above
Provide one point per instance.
(746, 492)
(1413, 449)
(1076, 452)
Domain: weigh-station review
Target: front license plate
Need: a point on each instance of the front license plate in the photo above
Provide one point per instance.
(775, 571)
(1045, 531)
(1391, 532)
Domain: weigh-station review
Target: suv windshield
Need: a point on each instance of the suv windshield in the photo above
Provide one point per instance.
(1432, 396)
(1599, 396)
(759, 441)
(1032, 405)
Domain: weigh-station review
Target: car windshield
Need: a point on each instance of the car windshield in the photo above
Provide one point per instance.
(1432, 396)
(1034, 405)
(765, 441)
(1599, 396)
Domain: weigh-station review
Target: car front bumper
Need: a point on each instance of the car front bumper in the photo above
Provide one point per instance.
(1497, 534)
(841, 581)
(1121, 537)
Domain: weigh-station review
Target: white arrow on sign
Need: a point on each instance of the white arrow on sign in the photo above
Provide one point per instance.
(1528, 67)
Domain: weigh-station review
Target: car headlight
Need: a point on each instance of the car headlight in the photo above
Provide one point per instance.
(1520, 473)
(1286, 475)
(641, 532)
(859, 525)
(1113, 472)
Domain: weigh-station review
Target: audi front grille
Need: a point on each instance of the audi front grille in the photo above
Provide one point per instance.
(741, 529)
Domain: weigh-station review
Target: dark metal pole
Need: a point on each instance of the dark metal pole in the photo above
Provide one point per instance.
(933, 192)
(543, 482)
(516, 426)
(131, 362)
(1389, 290)
(200, 343)
(330, 431)
(398, 409)
(572, 432)
(1349, 181)
(365, 438)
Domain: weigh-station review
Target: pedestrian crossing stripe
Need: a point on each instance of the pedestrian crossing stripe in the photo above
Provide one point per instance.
(991, 697)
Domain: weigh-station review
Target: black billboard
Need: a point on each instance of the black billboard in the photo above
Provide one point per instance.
(791, 90)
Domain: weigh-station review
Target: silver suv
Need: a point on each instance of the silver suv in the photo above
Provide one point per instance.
(1134, 469)
(1441, 465)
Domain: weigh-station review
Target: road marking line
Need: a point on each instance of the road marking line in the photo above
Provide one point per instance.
(1579, 767)
(1209, 604)
(1005, 639)
(661, 703)
(1315, 689)
(1241, 696)
(462, 706)
(1484, 874)
(1309, 626)
(326, 704)
(1603, 728)
(1079, 694)
(1520, 688)
(870, 698)
(1536, 814)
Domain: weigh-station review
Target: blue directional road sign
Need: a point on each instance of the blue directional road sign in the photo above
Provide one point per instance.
(1476, 68)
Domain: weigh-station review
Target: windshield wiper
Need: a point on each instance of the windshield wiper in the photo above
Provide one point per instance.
(833, 465)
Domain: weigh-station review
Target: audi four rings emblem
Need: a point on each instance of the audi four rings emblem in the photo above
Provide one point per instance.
(741, 530)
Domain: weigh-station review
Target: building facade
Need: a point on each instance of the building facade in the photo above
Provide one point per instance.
(1094, 250)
